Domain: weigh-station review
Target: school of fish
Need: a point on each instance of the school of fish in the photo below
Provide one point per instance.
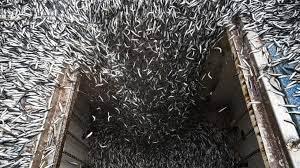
(144, 58)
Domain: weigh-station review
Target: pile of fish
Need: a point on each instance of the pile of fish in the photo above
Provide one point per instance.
(202, 146)
(151, 79)
(151, 83)
(145, 59)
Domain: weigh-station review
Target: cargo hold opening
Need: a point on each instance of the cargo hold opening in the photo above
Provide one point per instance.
(224, 106)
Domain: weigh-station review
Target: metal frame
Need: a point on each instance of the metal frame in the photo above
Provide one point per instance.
(267, 118)
(50, 144)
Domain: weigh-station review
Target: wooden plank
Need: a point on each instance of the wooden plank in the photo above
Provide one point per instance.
(272, 149)
(277, 115)
(56, 121)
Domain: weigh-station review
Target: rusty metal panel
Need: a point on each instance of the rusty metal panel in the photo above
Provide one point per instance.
(229, 94)
(48, 150)
(248, 55)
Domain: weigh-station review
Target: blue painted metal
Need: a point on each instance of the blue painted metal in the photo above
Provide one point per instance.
(287, 69)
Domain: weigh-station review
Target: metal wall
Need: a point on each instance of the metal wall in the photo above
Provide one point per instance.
(228, 94)
(75, 149)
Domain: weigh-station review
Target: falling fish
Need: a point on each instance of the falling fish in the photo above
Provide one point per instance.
(88, 135)
(155, 36)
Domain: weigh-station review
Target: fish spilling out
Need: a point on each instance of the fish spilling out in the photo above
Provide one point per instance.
(144, 60)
